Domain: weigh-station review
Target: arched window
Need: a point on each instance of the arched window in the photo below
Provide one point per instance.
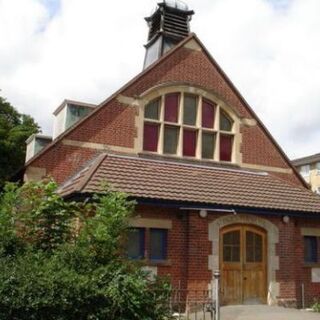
(187, 125)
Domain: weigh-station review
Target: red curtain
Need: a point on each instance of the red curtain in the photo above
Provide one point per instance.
(150, 137)
(208, 110)
(189, 142)
(171, 107)
(225, 147)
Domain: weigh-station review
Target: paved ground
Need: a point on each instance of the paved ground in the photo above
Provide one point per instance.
(260, 312)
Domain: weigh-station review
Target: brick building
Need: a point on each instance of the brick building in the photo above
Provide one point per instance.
(214, 189)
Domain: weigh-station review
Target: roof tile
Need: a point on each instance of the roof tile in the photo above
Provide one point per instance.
(169, 180)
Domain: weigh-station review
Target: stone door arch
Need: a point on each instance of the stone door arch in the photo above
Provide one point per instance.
(272, 240)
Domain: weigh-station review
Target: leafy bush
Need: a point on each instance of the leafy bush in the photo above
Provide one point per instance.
(63, 260)
(316, 306)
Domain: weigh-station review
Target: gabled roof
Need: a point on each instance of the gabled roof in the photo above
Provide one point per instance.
(185, 182)
(306, 160)
(166, 56)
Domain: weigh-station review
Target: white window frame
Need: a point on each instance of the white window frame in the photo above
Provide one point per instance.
(318, 168)
(305, 173)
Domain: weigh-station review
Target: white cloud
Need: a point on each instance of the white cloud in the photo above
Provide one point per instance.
(88, 49)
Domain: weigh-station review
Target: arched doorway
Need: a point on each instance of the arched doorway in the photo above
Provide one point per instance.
(243, 264)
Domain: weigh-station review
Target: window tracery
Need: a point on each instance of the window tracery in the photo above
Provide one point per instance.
(188, 125)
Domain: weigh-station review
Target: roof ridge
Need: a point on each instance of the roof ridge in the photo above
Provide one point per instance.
(315, 157)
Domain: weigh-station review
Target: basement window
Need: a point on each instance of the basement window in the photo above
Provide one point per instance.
(188, 125)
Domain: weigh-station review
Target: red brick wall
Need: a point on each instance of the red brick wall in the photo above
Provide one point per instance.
(114, 124)
(286, 274)
(62, 161)
(256, 148)
(189, 248)
(199, 248)
(303, 271)
(177, 240)
(192, 67)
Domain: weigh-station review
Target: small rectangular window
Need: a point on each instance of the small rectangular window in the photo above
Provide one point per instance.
(318, 168)
(305, 170)
(189, 142)
(158, 244)
(171, 106)
(136, 239)
(171, 136)
(150, 137)
(226, 142)
(74, 113)
(208, 141)
(208, 111)
(190, 110)
(310, 249)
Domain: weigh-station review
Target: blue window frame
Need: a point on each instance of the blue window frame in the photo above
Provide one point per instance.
(158, 244)
(136, 241)
(310, 249)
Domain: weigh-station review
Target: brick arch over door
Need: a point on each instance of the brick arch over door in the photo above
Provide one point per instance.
(272, 240)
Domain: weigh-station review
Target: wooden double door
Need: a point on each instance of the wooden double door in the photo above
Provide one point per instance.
(243, 261)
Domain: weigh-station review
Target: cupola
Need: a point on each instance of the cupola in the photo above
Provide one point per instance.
(168, 25)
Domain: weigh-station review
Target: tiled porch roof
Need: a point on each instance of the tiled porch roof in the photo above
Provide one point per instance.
(169, 180)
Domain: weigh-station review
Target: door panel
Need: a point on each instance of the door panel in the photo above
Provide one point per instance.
(231, 286)
(231, 277)
(243, 265)
(254, 267)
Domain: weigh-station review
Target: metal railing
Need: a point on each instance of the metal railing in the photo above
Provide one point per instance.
(186, 304)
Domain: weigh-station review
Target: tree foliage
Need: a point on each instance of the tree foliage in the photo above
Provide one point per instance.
(15, 128)
(64, 260)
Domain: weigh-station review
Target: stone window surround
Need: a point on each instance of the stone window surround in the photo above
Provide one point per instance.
(272, 240)
(313, 232)
(159, 91)
(138, 222)
(147, 224)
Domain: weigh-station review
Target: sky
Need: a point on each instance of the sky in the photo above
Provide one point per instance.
(85, 50)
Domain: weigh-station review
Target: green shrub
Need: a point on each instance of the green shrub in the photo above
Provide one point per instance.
(316, 306)
(51, 270)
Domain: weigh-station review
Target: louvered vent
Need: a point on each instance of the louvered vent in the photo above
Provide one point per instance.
(155, 25)
(175, 24)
